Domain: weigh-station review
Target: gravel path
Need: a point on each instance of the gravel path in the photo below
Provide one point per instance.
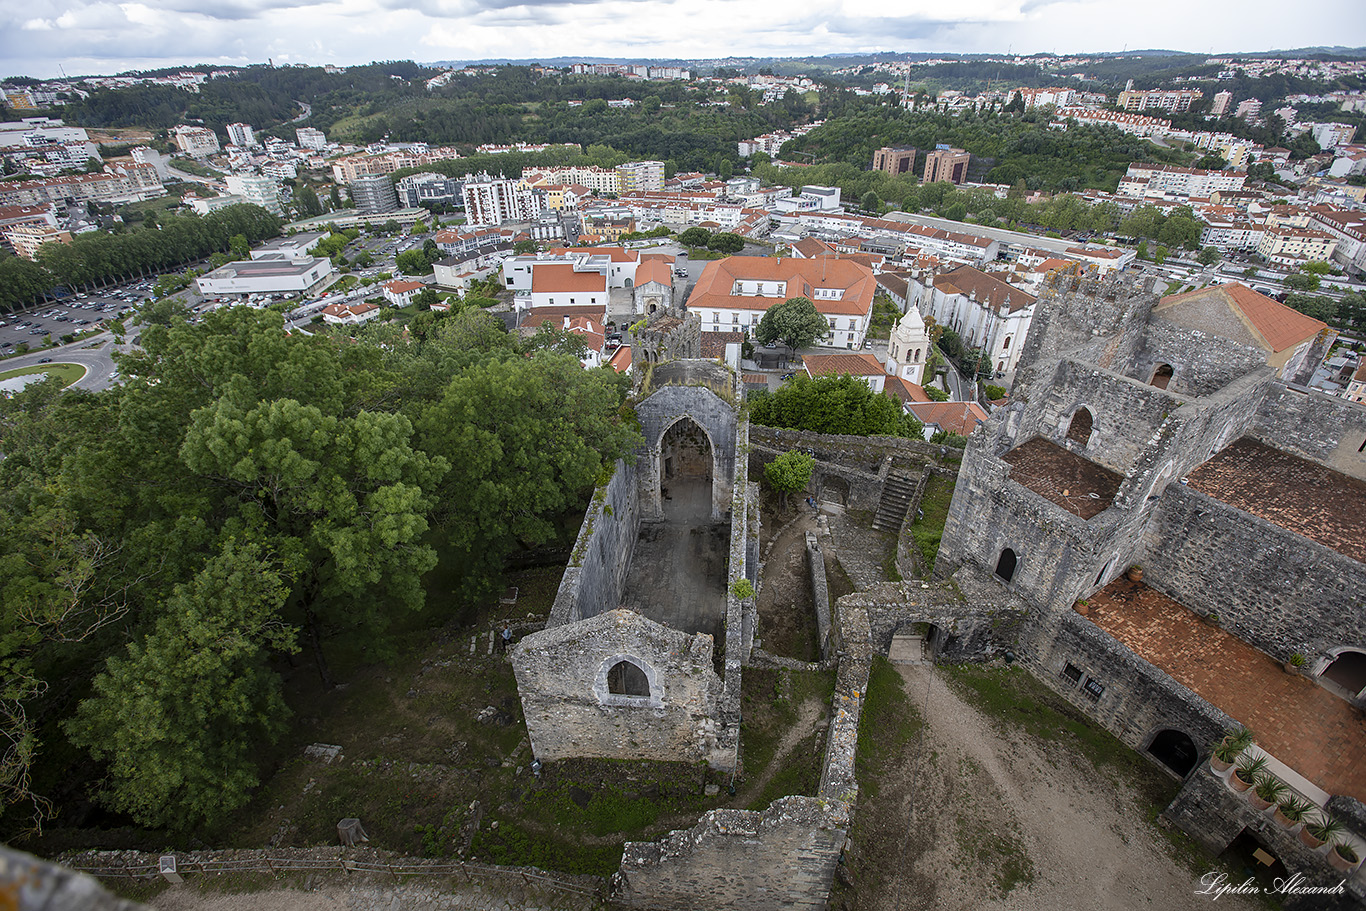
(980, 821)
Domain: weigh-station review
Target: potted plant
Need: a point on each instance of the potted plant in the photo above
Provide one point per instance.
(1245, 774)
(1291, 811)
(1294, 664)
(1344, 856)
(1135, 573)
(1082, 607)
(1228, 750)
(1324, 829)
(1268, 790)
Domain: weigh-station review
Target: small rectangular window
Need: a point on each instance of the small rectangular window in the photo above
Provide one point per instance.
(1093, 689)
(1071, 672)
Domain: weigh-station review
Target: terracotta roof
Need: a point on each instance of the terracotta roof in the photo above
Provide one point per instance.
(1279, 327)
(905, 391)
(1298, 495)
(400, 286)
(854, 364)
(1316, 733)
(620, 361)
(810, 246)
(714, 343)
(533, 318)
(654, 270)
(894, 283)
(552, 277)
(976, 283)
(1078, 485)
(802, 276)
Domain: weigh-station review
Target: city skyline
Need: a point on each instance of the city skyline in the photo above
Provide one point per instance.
(80, 37)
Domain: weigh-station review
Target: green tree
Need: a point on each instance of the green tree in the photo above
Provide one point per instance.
(871, 202)
(425, 298)
(1208, 256)
(789, 473)
(1299, 281)
(240, 247)
(306, 201)
(829, 404)
(180, 718)
(523, 247)
(795, 322)
(726, 242)
(413, 262)
(694, 237)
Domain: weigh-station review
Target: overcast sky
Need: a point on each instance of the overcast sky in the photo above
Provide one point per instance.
(97, 37)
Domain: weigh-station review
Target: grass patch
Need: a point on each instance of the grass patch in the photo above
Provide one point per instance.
(512, 845)
(888, 723)
(928, 528)
(67, 373)
(770, 702)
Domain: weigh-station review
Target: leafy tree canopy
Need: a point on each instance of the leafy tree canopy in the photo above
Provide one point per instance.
(795, 322)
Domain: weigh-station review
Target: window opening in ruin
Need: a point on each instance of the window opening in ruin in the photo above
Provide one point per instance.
(1071, 673)
(1162, 376)
(1347, 670)
(1005, 566)
(1105, 571)
(625, 679)
(1079, 431)
(1175, 750)
(1093, 689)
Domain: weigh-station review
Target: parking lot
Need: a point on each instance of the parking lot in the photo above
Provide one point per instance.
(74, 314)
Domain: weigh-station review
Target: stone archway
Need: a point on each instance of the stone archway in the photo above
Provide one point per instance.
(1346, 672)
(834, 490)
(1175, 750)
(687, 467)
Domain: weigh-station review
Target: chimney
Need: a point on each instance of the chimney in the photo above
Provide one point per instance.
(566, 323)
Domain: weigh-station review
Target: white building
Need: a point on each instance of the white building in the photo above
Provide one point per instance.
(492, 201)
(734, 293)
(986, 312)
(241, 135)
(273, 274)
(310, 138)
(258, 190)
(350, 314)
(640, 176)
(196, 142)
(1146, 181)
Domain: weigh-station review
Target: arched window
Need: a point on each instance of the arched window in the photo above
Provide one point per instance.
(1005, 566)
(1079, 431)
(625, 679)
(917, 360)
(1006, 345)
(1000, 366)
(1162, 376)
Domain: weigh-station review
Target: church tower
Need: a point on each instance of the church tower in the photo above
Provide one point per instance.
(909, 348)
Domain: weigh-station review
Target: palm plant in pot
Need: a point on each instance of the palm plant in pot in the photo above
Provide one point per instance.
(1322, 830)
(1291, 811)
(1246, 773)
(1268, 790)
(1229, 749)
(1344, 855)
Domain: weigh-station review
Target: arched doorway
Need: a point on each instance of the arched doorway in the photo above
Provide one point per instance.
(1347, 671)
(834, 490)
(626, 679)
(1005, 565)
(1175, 750)
(1079, 431)
(685, 471)
(1162, 376)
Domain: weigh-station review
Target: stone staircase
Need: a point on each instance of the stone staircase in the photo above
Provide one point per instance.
(897, 494)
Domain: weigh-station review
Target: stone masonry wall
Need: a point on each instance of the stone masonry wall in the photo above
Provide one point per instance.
(562, 679)
(1201, 363)
(1272, 588)
(713, 414)
(601, 559)
(1322, 428)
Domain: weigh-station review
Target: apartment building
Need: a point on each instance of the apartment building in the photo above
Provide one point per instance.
(241, 135)
(1145, 180)
(310, 138)
(257, 189)
(374, 193)
(26, 237)
(1175, 102)
(640, 176)
(1290, 246)
(196, 142)
(895, 160)
(946, 164)
(490, 201)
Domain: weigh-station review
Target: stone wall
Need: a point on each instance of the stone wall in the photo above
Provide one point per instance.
(1213, 815)
(820, 592)
(1201, 363)
(715, 416)
(28, 882)
(601, 559)
(562, 677)
(1272, 588)
(1322, 428)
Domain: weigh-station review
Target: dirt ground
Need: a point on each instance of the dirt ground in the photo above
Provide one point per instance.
(787, 622)
(971, 817)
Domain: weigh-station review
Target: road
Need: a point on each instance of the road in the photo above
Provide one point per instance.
(98, 361)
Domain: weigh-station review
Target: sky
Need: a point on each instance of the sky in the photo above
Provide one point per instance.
(88, 37)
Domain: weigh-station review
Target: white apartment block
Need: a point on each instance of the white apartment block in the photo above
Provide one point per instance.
(258, 190)
(640, 177)
(310, 138)
(1290, 246)
(600, 180)
(1157, 100)
(1144, 181)
(196, 142)
(491, 202)
(241, 135)
(1332, 135)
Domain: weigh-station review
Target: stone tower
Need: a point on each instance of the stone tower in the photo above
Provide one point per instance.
(909, 348)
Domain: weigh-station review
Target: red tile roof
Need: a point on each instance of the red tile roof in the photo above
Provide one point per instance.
(810, 246)
(1279, 326)
(714, 343)
(969, 281)
(620, 361)
(400, 286)
(905, 391)
(551, 277)
(853, 364)
(533, 318)
(654, 270)
(802, 276)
